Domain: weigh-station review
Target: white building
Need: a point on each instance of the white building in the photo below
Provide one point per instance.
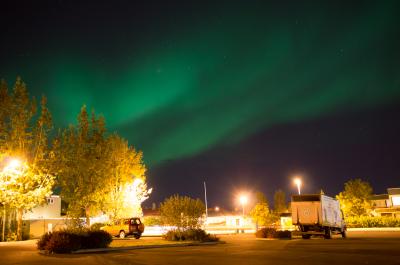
(387, 204)
(51, 209)
(44, 218)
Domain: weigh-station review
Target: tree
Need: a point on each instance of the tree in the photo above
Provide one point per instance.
(24, 138)
(23, 189)
(126, 180)
(280, 201)
(80, 160)
(98, 173)
(260, 212)
(182, 212)
(354, 200)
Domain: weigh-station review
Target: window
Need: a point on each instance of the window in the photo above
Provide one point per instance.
(50, 200)
(396, 200)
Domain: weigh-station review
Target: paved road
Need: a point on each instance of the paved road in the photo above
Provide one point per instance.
(359, 248)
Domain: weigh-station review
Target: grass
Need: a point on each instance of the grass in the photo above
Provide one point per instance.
(143, 242)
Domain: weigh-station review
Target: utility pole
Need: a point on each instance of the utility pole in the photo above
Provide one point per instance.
(205, 199)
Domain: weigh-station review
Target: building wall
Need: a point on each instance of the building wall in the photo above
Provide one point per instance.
(395, 200)
(51, 209)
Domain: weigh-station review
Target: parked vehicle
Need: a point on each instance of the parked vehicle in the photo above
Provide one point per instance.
(125, 227)
(317, 214)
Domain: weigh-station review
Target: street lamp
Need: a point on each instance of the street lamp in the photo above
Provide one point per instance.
(243, 201)
(297, 181)
(13, 166)
(12, 169)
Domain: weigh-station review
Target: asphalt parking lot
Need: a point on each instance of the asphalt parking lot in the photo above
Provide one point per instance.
(358, 248)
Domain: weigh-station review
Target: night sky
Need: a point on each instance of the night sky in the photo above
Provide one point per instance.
(241, 94)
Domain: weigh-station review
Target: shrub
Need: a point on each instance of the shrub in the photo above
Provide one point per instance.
(96, 226)
(191, 235)
(70, 240)
(97, 239)
(284, 234)
(42, 242)
(152, 220)
(272, 233)
(266, 233)
(63, 242)
(370, 221)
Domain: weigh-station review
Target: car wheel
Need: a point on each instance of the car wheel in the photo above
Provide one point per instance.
(306, 236)
(122, 234)
(344, 234)
(137, 236)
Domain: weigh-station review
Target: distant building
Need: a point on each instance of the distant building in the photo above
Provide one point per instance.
(51, 209)
(44, 218)
(387, 204)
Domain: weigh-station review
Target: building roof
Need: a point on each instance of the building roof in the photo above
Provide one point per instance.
(377, 197)
(221, 212)
(393, 191)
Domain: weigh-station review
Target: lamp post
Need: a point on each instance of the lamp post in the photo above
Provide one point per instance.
(297, 181)
(243, 201)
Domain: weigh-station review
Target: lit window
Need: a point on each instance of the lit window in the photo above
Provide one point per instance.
(396, 200)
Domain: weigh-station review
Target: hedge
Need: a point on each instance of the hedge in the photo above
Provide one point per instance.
(372, 221)
(66, 241)
(191, 235)
(273, 233)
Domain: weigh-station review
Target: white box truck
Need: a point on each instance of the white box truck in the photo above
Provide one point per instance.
(317, 214)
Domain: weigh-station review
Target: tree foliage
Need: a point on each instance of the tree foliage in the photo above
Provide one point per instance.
(80, 162)
(182, 212)
(24, 138)
(98, 173)
(126, 179)
(354, 200)
(260, 212)
(280, 205)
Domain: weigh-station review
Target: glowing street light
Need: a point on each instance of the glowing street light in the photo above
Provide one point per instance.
(297, 181)
(11, 170)
(13, 165)
(243, 201)
(216, 208)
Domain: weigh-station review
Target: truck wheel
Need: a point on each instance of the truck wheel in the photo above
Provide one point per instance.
(328, 233)
(122, 234)
(344, 234)
(137, 236)
(306, 236)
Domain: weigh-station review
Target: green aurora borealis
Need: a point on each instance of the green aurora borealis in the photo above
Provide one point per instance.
(218, 75)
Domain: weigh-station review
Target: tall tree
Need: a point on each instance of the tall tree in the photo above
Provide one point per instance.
(126, 179)
(280, 205)
(354, 200)
(80, 160)
(260, 212)
(24, 141)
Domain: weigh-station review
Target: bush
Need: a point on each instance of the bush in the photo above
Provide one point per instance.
(63, 242)
(191, 235)
(272, 233)
(97, 226)
(97, 239)
(266, 233)
(42, 242)
(70, 240)
(152, 221)
(370, 221)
